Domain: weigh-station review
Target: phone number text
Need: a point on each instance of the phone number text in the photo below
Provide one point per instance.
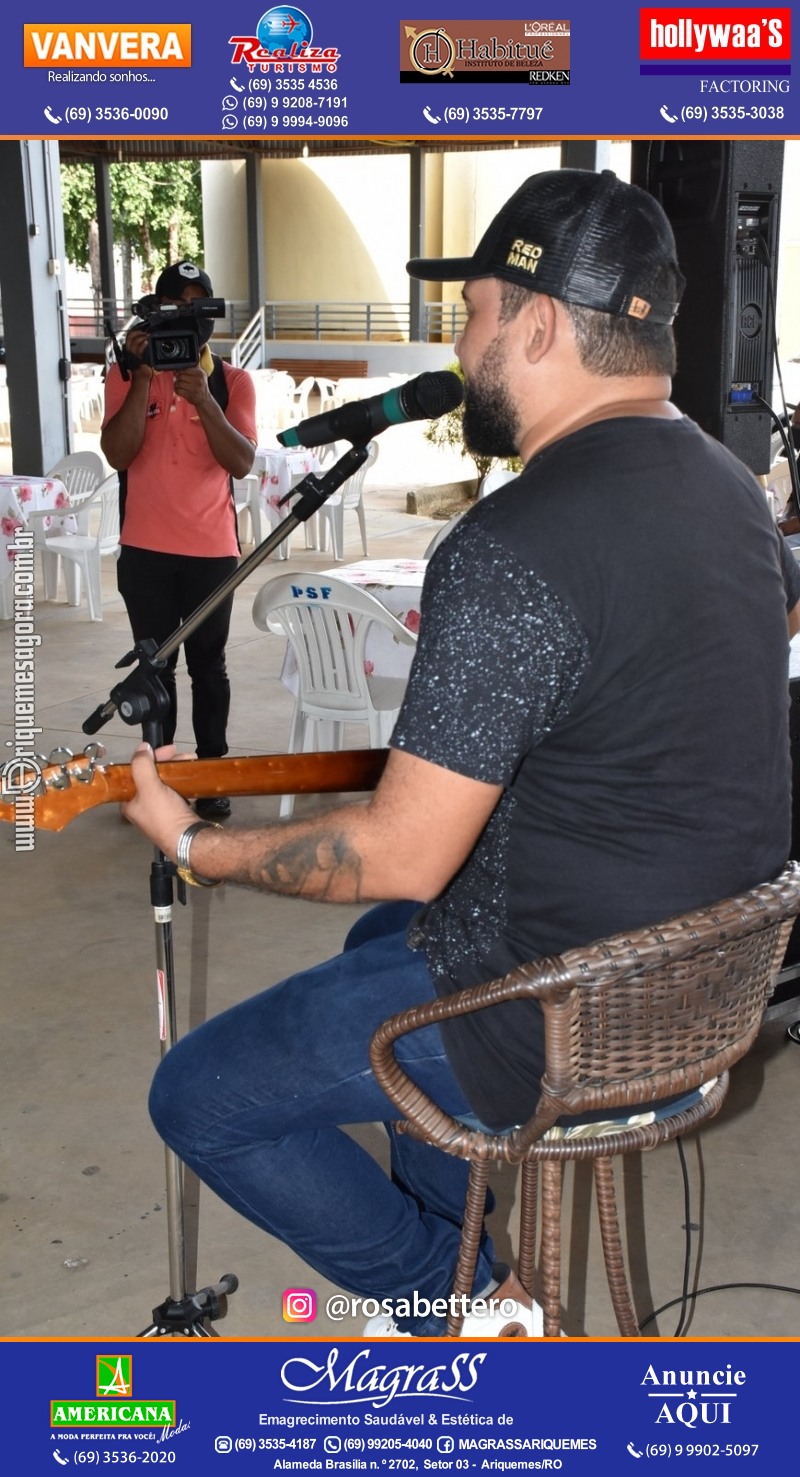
(116, 115)
(701, 1448)
(493, 115)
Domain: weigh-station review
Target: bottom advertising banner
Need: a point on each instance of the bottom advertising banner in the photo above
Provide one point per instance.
(400, 1406)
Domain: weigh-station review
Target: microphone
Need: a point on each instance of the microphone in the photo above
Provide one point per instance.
(420, 399)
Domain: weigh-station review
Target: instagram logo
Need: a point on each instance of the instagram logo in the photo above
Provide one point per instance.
(299, 1305)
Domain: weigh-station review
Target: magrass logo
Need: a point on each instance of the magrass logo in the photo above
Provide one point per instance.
(283, 43)
(741, 39)
(114, 1407)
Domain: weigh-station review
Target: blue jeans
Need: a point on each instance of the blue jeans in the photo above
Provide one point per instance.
(253, 1101)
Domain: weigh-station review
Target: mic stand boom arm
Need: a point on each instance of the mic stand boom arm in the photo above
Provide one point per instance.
(132, 696)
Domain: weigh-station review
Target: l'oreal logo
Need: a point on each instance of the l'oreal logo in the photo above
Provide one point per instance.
(360, 1382)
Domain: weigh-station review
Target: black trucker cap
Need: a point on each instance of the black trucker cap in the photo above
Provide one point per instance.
(174, 279)
(582, 237)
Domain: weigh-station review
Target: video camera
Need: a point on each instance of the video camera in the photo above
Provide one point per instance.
(176, 331)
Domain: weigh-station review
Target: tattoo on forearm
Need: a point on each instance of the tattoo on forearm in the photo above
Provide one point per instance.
(316, 866)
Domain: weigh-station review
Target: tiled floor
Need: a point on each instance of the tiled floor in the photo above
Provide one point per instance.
(83, 1200)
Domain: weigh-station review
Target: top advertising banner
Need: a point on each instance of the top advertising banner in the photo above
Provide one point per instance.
(709, 71)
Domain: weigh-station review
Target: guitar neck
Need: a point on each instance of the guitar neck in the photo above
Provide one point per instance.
(262, 774)
(78, 785)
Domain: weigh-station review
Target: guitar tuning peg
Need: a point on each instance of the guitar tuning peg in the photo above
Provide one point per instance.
(60, 756)
(94, 753)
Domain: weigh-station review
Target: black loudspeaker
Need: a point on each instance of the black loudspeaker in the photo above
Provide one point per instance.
(723, 202)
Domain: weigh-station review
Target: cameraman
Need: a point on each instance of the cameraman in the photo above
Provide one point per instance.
(176, 438)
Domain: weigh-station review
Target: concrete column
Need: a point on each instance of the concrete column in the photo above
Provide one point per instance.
(108, 287)
(586, 153)
(416, 243)
(35, 327)
(256, 266)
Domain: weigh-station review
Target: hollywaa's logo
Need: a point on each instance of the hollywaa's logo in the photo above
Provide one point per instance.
(283, 43)
(692, 1397)
(360, 1382)
(715, 34)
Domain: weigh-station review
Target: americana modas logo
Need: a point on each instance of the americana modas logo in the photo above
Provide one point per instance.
(113, 1407)
(284, 42)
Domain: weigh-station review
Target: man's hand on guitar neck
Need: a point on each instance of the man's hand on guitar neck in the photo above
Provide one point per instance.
(408, 840)
(158, 811)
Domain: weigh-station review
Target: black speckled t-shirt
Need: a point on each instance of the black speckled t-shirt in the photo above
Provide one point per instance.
(606, 637)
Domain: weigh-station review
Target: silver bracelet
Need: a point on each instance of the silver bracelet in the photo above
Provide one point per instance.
(182, 850)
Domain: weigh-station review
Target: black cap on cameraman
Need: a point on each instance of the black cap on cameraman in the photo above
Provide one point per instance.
(180, 275)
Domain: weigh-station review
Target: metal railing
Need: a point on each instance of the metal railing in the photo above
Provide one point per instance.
(360, 321)
(442, 322)
(88, 317)
(333, 320)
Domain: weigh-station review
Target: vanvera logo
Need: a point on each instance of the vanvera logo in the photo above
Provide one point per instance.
(360, 1382)
(118, 45)
(722, 34)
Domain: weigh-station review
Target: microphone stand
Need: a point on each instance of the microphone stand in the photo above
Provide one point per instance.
(142, 698)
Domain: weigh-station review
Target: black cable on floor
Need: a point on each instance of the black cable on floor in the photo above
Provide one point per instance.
(687, 1297)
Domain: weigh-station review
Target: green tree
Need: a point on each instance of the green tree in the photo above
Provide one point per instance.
(156, 212)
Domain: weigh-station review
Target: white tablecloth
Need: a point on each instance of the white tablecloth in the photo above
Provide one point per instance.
(397, 583)
(279, 469)
(21, 496)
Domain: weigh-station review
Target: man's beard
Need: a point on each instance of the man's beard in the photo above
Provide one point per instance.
(490, 425)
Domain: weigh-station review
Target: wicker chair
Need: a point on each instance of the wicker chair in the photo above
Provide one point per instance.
(632, 1019)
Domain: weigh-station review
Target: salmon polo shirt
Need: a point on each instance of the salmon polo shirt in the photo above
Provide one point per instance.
(178, 496)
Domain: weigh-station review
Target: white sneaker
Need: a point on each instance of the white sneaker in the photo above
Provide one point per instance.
(383, 1326)
(507, 1313)
(501, 1312)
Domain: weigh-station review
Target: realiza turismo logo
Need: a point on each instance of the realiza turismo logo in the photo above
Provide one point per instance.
(737, 39)
(283, 43)
(114, 1408)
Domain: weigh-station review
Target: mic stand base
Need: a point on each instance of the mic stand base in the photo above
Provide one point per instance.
(192, 1317)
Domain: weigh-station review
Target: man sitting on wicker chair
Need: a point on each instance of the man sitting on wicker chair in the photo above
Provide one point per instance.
(594, 737)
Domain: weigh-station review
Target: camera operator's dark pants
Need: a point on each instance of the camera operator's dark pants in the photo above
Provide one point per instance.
(160, 591)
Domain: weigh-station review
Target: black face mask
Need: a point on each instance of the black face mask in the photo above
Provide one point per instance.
(205, 328)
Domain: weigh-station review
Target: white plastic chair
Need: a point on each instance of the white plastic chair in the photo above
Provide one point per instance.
(445, 530)
(246, 499)
(99, 537)
(351, 495)
(299, 408)
(81, 472)
(496, 477)
(327, 631)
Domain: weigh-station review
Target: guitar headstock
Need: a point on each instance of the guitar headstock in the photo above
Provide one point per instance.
(47, 792)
